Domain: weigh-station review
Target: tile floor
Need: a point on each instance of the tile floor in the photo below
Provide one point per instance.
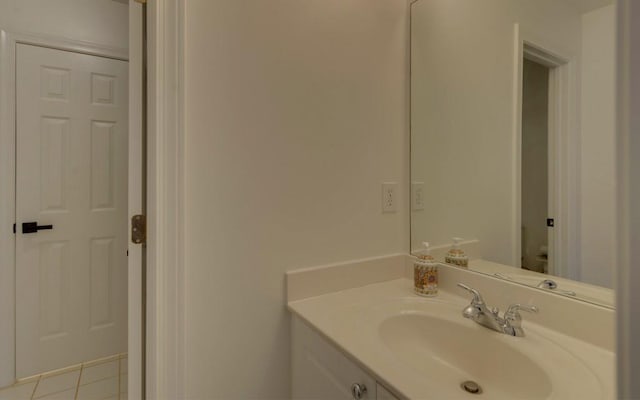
(104, 379)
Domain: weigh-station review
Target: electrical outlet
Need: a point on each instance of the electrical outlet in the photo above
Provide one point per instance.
(417, 196)
(389, 200)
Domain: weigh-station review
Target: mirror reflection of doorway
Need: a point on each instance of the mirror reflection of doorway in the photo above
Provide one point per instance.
(535, 167)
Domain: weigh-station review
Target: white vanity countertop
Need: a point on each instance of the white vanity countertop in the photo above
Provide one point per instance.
(351, 319)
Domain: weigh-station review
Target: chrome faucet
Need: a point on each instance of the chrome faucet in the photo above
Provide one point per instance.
(510, 324)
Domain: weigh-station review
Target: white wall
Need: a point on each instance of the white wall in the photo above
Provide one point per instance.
(99, 22)
(295, 113)
(598, 185)
(103, 22)
(463, 113)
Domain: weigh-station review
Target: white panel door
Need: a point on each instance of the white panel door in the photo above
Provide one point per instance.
(71, 173)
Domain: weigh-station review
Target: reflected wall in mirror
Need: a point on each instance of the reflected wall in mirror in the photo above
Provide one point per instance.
(513, 137)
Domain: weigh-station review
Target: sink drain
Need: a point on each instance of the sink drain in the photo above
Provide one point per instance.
(471, 387)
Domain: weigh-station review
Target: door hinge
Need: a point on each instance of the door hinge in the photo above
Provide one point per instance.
(139, 229)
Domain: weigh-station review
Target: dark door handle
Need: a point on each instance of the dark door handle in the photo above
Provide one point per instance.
(33, 227)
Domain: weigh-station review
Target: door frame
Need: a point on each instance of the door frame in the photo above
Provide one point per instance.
(564, 166)
(8, 42)
(136, 198)
(628, 199)
(165, 308)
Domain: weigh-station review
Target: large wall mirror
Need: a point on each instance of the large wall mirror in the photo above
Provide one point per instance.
(513, 138)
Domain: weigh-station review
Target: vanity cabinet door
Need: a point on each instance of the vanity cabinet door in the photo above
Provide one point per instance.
(320, 371)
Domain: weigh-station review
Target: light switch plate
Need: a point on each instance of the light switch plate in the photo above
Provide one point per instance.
(389, 197)
(417, 196)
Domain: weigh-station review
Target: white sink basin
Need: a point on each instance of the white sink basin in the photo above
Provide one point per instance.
(437, 346)
(441, 345)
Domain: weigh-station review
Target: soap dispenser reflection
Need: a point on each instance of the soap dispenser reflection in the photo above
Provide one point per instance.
(457, 256)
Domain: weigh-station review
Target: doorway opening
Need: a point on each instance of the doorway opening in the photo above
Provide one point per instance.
(535, 176)
(543, 156)
(71, 175)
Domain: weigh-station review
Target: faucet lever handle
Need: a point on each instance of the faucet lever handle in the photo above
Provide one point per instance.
(514, 308)
(477, 297)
